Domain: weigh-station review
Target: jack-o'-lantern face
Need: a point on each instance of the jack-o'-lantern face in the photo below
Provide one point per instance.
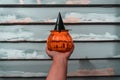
(59, 38)
(60, 41)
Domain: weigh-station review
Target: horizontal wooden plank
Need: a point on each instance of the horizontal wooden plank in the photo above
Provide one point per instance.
(53, 23)
(101, 68)
(82, 50)
(55, 5)
(67, 77)
(75, 41)
(72, 59)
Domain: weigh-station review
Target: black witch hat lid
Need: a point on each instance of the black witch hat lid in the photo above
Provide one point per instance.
(59, 23)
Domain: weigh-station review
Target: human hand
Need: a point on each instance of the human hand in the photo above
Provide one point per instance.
(55, 54)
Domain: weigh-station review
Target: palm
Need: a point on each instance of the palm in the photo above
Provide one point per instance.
(53, 54)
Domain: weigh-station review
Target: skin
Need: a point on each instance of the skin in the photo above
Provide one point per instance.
(58, 70)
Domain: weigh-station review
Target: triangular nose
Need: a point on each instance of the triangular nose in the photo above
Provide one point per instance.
(59, 23)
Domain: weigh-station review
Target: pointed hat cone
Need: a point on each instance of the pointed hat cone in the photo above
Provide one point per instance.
(59, 23)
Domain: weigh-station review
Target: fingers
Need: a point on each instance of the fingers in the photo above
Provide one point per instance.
(68, 54)
(50, 53)
(47, 51)
(71, 50)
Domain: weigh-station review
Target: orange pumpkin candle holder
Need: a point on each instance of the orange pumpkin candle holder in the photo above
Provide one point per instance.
(59, 38)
